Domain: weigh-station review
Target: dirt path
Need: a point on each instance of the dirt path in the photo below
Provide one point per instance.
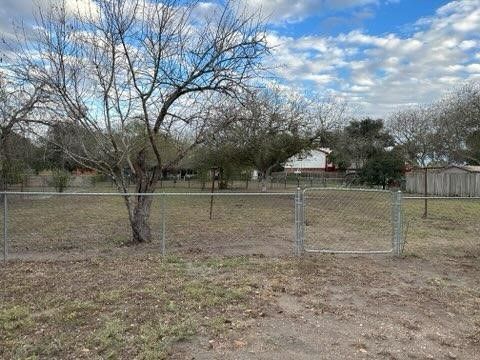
(368, 309)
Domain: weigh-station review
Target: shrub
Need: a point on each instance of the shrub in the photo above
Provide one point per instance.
(98, 178)
(12, 173)
(60, 179)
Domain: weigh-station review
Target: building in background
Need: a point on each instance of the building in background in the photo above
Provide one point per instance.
(314, 161)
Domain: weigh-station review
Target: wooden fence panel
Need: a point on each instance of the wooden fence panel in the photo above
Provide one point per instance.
(444, 184)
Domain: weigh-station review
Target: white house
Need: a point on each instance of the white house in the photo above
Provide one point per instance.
(312, 161)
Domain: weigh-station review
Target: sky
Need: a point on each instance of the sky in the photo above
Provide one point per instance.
(379, 55)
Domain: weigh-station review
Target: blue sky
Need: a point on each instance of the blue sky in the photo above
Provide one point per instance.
(378, 55)
(374, 17)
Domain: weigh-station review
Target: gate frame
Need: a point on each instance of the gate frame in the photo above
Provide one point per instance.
(397, 223)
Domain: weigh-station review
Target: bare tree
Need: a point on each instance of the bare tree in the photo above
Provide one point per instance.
(18, 102)
(135, 73)
(458, 124)
(327, 116)
(414, 130)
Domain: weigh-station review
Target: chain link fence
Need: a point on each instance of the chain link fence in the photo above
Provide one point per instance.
(191, 183)
(442, 226)
(53, 225)
(75, 225)
(351, 221)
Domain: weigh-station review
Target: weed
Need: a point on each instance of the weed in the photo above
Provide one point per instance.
(15, 317)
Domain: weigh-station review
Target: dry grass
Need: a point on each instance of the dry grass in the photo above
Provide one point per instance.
(343, 220)
(146, 307)
(86, 224)
(451, 228)
(115, 308)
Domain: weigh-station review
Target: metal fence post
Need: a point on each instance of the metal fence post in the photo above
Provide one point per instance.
(5, 227)
(296, 235)
(302, 220)
(163, 223)
(397, 224)
(298, 223)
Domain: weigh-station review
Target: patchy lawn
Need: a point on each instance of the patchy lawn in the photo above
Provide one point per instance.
(145, 307)
(72, 289)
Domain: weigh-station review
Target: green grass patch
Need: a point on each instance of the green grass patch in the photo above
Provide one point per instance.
(15, 318)
(205, 293)
(109, 339)
(156, 337)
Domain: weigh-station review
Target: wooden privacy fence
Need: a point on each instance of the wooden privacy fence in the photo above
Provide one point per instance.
(444, 184)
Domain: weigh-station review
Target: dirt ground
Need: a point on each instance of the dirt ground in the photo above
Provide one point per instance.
(230, 288)
(317, 307)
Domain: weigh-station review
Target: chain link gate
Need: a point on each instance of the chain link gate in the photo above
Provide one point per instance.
(348, 221)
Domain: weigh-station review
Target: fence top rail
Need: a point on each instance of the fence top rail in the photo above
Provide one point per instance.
(347, 189)
(441, 197)
(40, 193)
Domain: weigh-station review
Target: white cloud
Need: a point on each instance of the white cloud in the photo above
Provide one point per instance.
(449, 80)
(84, 8)
(390, 70)
(468, 44)
(358, 88)
(296, 10)
(363, 80)
(21, 12)
(319, 79)
(473, 68)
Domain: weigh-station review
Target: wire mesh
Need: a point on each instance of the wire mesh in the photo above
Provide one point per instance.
(442, 226)
(348, 220)
(83, 225)
(3, 224)
(65, 226)
(41, 225)
(238, 224)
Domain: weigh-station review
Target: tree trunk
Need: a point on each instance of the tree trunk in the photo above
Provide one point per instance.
(5, 163)
(139, 221)
(266, 177)
(264, 181)
(139, 211)
(222, 180)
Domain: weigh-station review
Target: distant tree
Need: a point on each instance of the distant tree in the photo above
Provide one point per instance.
(268, 128)
(327, 117)
(457, 123)
(358, 142)
(414, 132)
(472, 145)
(62, 139)
(60, 179)
(223, 157)
(382, 168)
(340, 157)
(18, 104)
